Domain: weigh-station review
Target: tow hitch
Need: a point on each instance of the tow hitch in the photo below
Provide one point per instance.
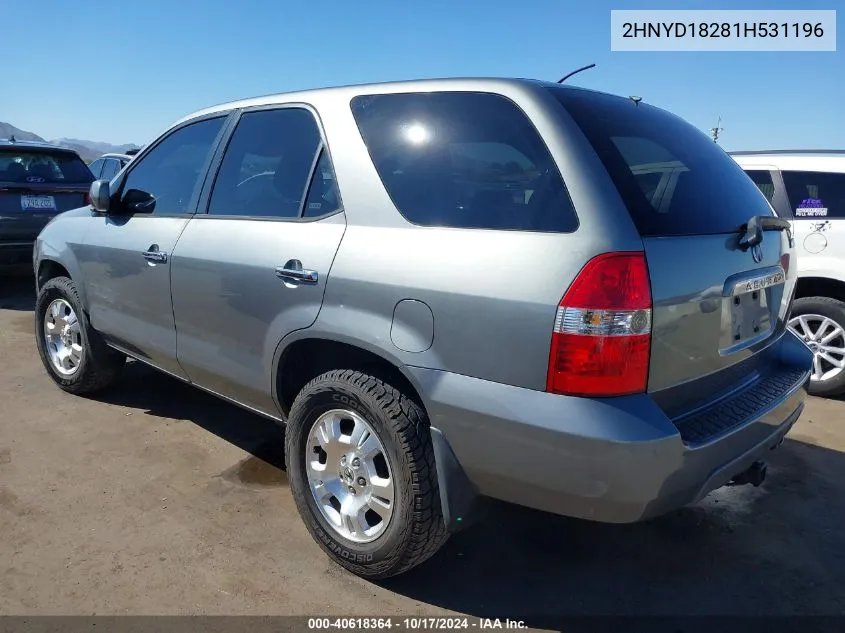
(755, 475)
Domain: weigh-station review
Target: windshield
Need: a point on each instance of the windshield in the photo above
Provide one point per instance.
(32, 167)
(672, 177)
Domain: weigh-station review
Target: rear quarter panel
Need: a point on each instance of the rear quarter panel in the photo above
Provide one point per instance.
(493, 294)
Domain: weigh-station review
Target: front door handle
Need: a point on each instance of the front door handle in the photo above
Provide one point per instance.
(152, 254)
(293, 271)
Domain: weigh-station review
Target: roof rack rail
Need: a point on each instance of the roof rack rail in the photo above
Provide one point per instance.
(757, 152)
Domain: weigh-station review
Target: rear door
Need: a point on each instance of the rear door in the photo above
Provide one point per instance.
(716, 302)
(36, 184)
(254, 267)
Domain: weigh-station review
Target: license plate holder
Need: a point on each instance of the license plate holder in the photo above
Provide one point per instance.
(750, 316)
(38, 203)
(749, 309)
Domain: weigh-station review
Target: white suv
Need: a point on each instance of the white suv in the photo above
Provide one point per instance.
(808, 188)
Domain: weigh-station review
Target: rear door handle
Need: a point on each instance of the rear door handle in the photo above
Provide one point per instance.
(152, 254)
(293, 271)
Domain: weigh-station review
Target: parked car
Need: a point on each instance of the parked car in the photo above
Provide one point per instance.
(107, 165)
(808, 189)
(37, 181)
(448, 290)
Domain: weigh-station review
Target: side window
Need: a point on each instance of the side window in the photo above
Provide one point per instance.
(96, 168)
(323, 195)
(267, 164)
(463, 159)
(815, 194)
(110, 170)
(167, 176)
(763, 179)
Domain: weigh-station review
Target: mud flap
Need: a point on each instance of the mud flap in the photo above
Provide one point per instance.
(462, 504)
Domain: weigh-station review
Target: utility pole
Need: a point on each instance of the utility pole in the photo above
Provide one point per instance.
(714, 131)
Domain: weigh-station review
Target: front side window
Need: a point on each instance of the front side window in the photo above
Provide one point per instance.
(463, 159)
(267, 166)
(815, 194)
(166, 178)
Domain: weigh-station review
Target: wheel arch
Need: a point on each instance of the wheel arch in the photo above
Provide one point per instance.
(304, 355)
(50, 269)
(820, 286)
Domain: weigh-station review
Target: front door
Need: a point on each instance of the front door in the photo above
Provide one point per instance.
(254, 267)
(125, 256)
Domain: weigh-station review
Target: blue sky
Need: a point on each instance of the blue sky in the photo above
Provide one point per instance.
(123, 71)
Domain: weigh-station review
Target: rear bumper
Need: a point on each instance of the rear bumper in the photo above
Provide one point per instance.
(17, 252)
(615, 460)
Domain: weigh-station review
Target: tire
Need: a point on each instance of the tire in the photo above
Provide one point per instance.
(811, 308)
(415, 530)
(98, 366)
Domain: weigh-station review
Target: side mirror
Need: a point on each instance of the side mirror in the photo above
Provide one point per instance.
(100, 196)
(137, 201)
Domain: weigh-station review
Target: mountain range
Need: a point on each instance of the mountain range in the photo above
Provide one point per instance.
(88, 150)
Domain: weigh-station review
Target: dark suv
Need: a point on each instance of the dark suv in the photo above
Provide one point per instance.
(37, 182)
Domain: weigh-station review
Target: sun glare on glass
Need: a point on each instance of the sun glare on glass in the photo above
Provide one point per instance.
(416, 134)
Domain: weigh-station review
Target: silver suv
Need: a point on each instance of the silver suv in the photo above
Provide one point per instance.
(449, 291)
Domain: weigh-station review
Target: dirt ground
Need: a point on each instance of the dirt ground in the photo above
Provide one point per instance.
(156, 498)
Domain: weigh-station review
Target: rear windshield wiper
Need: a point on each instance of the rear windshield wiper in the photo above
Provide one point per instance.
(753, 229)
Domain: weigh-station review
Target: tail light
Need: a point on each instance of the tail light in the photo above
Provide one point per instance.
(87, 198)
(602, 334)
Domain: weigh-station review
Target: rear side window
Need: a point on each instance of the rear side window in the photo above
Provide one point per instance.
(671, 176)
(763, 179)
(463, 159)
(267, 165)
(815, 194)
(110, 169)
(96, 167)
(43, 167)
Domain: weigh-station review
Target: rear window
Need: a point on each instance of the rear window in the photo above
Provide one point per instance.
(672, 177)
(43, 167)
(465, 160)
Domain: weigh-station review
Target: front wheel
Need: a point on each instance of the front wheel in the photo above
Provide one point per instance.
(820, 323)
(73, 353)
(361, 469)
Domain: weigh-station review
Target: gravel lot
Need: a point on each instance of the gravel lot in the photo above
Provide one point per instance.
(157, 498)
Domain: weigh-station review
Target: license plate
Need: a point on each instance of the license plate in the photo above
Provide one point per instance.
(38, 203)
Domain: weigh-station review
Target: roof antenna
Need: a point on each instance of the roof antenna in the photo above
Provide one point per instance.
(565, 77)
(12, 139)
(714, 131)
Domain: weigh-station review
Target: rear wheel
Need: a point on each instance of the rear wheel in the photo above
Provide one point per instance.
(361, 469)
(820, 323)
(74, 355)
